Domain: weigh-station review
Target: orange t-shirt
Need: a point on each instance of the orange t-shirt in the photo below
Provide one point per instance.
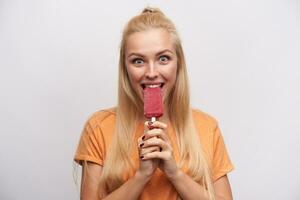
(97, 136)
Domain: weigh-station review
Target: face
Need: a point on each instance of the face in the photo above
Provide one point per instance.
(151, 61)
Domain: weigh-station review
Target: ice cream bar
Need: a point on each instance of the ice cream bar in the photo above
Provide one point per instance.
(153, 105)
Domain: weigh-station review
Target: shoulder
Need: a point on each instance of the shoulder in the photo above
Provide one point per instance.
(207, 128)
(102, 117)
(204, 119)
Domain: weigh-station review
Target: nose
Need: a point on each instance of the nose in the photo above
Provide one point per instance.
(151, 72)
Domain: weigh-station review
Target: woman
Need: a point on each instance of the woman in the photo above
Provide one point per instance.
(180, 156)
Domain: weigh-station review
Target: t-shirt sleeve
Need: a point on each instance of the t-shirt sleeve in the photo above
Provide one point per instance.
(90, 147)
(221, 161)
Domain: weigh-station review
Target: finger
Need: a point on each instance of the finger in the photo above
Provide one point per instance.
(157, 155)
(154, 141)
(157, 124)
(155, 133)
(147, 125)
(140, 142)
(149, 150)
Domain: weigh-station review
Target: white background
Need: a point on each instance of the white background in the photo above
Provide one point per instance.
(59, 62)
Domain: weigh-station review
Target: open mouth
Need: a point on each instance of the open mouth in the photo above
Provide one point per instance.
(152, 85)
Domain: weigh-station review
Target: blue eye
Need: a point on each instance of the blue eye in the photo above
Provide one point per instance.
(164, 58)
(137, 61)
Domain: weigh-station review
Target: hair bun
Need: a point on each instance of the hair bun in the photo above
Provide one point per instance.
(151, 10)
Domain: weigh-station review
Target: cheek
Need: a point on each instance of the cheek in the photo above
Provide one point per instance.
(134, 75)
(130, 75)
(171, 73)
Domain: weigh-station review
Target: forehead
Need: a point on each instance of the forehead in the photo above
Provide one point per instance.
(149, 41)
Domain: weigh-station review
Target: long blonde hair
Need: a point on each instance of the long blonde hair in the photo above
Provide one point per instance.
(118, 159)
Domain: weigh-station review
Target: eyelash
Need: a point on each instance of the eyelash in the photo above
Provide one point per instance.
(168, 57)
(136, 59)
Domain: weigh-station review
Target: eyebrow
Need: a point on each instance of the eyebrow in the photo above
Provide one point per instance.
(138, 54)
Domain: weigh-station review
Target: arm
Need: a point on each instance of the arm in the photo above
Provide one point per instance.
(223, 189)
(131, 189)
(90, 181)
(188, 189)
(90, 186)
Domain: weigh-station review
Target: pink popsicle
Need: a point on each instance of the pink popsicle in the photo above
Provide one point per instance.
(153, 105)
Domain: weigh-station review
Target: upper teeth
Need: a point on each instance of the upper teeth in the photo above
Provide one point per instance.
(153, 86)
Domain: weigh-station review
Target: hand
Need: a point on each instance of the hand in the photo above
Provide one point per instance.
(147, 167)
(155, 138)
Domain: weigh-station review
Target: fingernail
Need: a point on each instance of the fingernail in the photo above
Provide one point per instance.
(142, 157)
(143, 137)
(150, 123)
(141, 144)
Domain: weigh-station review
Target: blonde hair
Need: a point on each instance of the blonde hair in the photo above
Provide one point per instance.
(130, 108)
